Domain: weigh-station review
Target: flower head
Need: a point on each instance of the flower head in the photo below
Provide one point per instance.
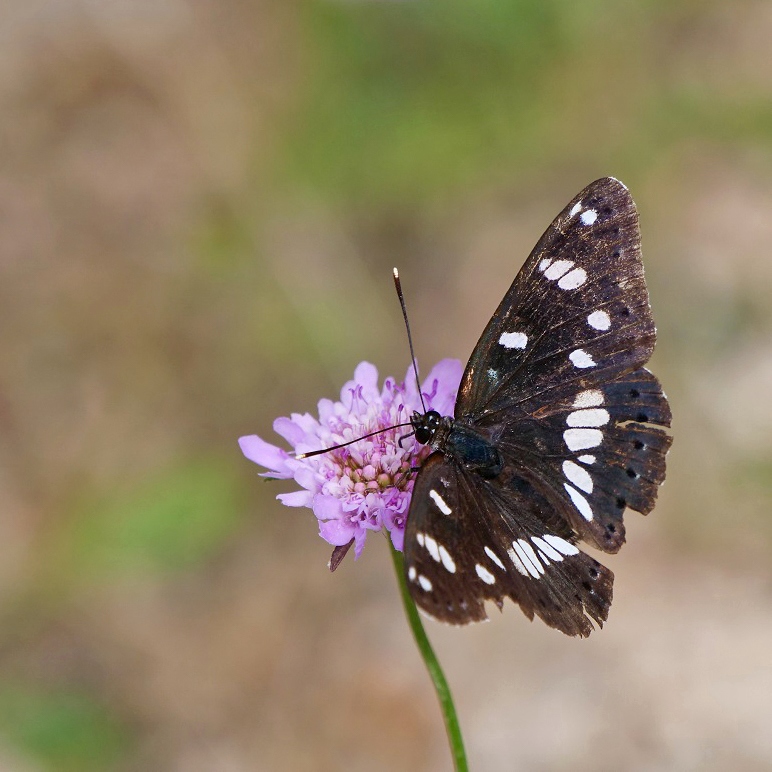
(365, 486)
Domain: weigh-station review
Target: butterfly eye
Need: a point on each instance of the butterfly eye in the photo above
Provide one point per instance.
(423, 435)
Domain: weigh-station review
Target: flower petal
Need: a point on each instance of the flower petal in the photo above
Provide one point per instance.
(296, 499)
(307, 478)
(337, 532)
(366, 376)
(447, 375)
(287, 428)
(359, 542)
(326, 410)
(306, 422)
(410, 388)
(328, 508)
(398, 539)
(263, 453)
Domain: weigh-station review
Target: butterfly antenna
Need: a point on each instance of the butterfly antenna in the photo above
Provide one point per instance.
(401, 297)
(398, 285)
(301, 456)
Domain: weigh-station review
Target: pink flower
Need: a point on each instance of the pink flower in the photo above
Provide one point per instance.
(365, 486)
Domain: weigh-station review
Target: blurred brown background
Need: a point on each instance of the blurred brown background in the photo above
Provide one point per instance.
(200, 204)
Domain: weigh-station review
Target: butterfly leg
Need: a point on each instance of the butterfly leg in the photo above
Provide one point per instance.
(404, 437)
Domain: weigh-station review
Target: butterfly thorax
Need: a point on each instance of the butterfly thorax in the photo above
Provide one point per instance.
(465, 444)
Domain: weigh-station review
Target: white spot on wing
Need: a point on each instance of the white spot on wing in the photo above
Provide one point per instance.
(560, 544)
(573, 279)
(426, 585)
(440, 502)
(484, 574)
(419, 537)
(580, 502)
(557, 269)
(588, 217)
(516, 562)
(431, 546)
(589, 398)
(581, 358)
(531, 555)
(513, 339)
(579, 439)
(411, 573)
(547, 549)
(526, 560)
(545, 264)
(587, 459)
(594, 416)
(578, 476)
(494, 557)
(447, 560)
(576, 208)
(599, 320)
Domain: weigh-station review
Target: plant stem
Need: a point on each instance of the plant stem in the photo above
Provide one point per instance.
(433, 666)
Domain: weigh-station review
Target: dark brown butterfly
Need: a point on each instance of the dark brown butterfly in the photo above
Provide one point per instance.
(556, 432)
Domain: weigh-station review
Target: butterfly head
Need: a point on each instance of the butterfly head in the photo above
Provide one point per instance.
(425, 425)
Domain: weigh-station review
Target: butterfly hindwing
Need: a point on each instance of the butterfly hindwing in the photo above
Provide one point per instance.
(578, 311)
(441, 540)
(596, 453)
(469, 540)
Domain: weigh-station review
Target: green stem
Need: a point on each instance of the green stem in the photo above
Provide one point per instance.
(433, 666)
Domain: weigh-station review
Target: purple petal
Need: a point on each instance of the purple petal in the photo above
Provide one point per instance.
(359, 542)
(265, 454)
(307, 478)
(287, 428)
(366, 376)
(394, 519)
(447, 373)
(337, 532)
(398, 539)
(306, 422)
(326, 410)
(296, 499)
(328, 508)
(410, 388)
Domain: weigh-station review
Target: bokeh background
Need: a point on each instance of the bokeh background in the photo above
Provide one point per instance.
(200, 205)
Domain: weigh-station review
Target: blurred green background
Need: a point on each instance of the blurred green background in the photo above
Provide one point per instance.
(200, 205)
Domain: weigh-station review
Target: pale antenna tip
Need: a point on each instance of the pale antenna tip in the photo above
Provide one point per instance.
(395, 272)
(300, 456)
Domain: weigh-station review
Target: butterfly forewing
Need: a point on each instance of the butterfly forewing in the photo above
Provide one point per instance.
(556, 385)
(578, 311)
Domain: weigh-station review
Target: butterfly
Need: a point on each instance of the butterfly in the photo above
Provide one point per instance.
(556, 432)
